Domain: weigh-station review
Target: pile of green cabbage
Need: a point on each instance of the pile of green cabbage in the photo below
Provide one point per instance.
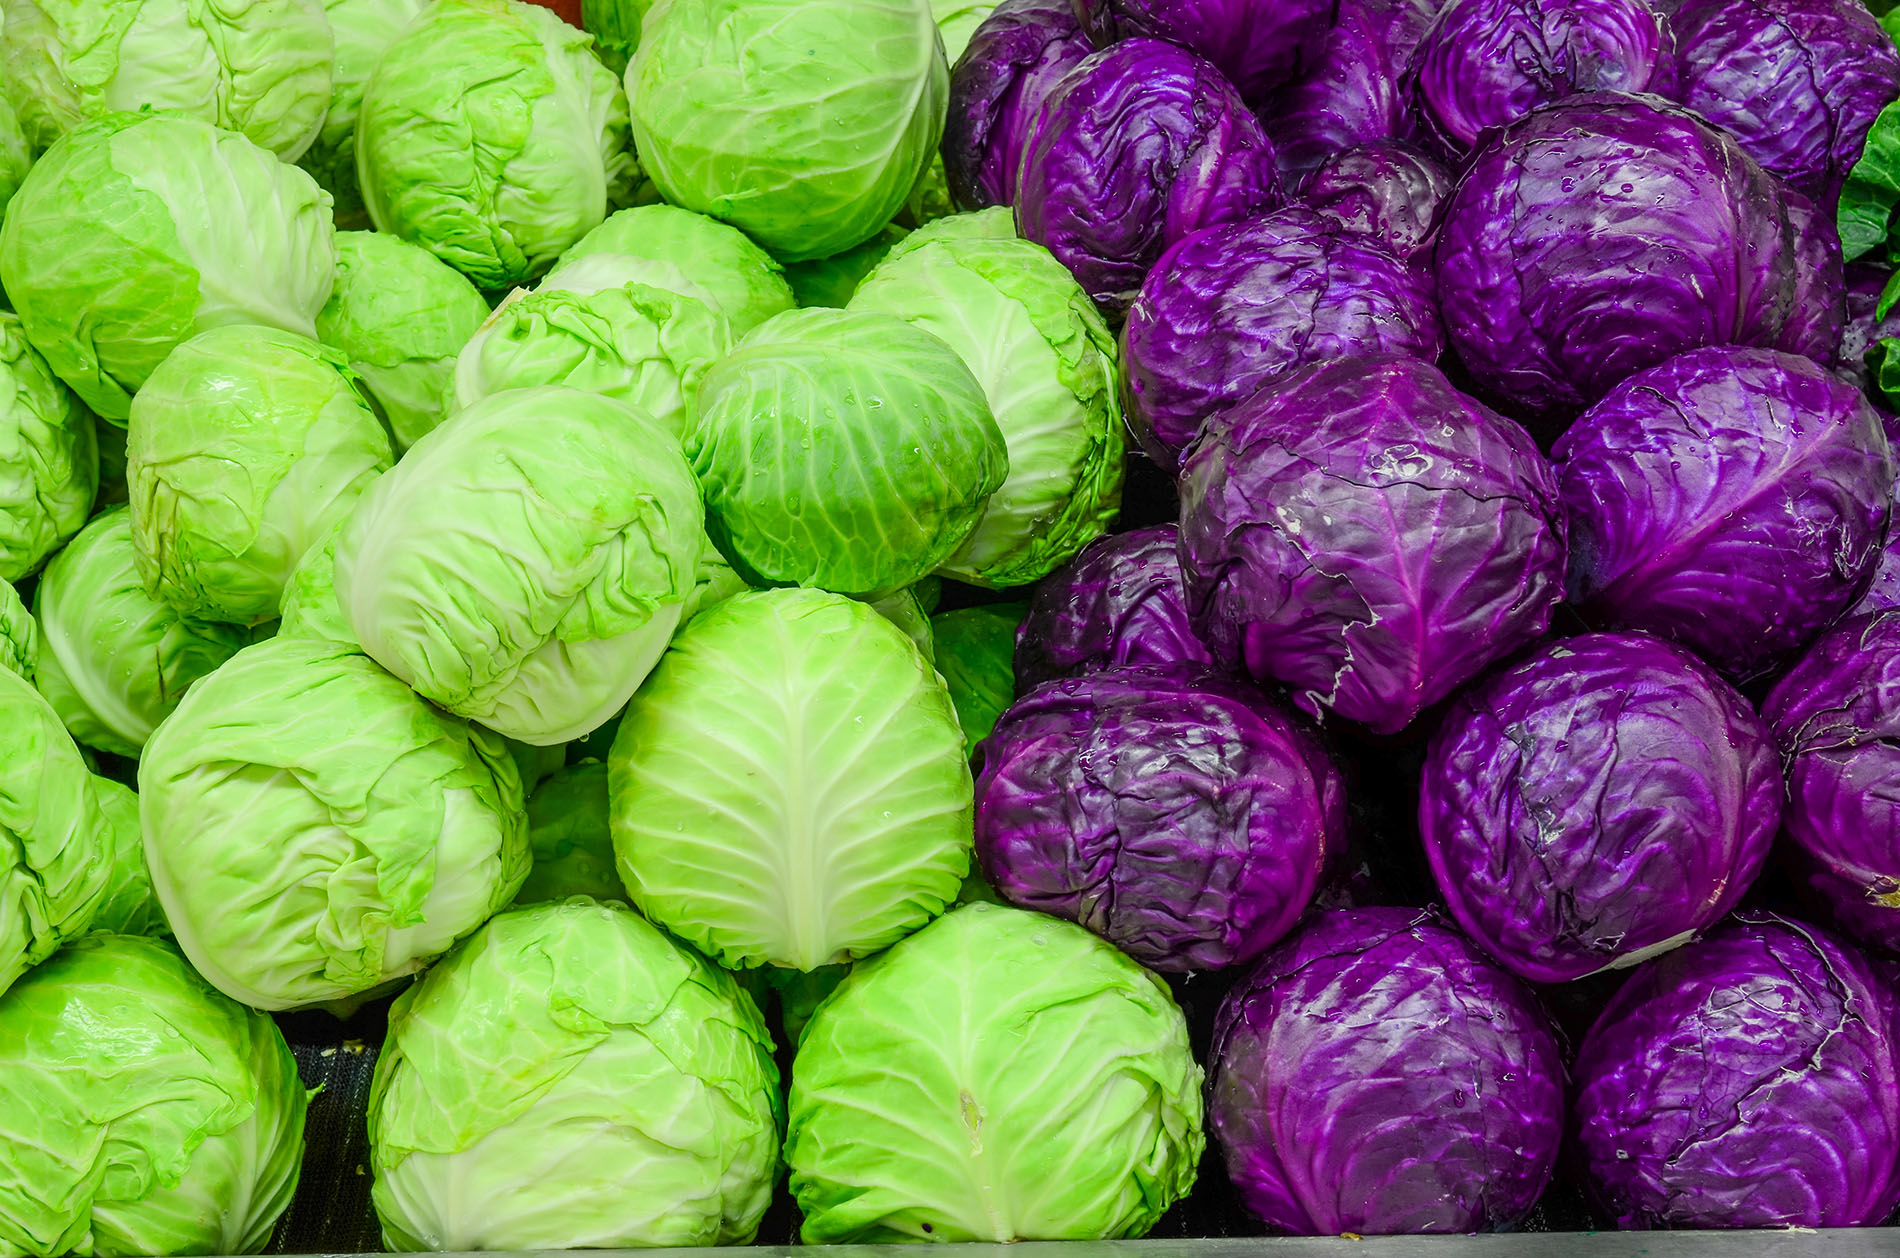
(488, 491)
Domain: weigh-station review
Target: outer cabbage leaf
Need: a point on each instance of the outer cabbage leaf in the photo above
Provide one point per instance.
(1013, 61)
(790, 787)
(1388, 191)
(114, 661)
(1748, 1080)
(525, 564)
(574, 1048)
(615, 26)
(400, 315)
(1118, 602)
(1351, 93)
(957, 21)
(1368, 537)
(1180, 816)
(1596, 803)
(310, 608)
(282, 408)
(1834, 718)
(146, 1113)
(49, 457)
(490, 135)
(314, 830)
(1046, 362)
(53, 830)
(845, 450)
(1158, 134)
(1731, 500)
(1231, 308)
(136, 231)
(261, 68)
(998, 1076)
(1376, 1074)
(831, 281)
(725, 94)
(569, 830)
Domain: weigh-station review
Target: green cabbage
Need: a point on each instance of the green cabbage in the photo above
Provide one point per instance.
(728, 96)
(245, 446)
(314, 830)
(789, 787)
(49, 458)
(490, 135)
(140, 1111)
(363, 29)
(976, 656)
(676, 249)
(526, 563)
(573, 845)
(571, 1078)
(19, 634)
(129, 907)
(998, 1076)
(310, 608)
(136, 231)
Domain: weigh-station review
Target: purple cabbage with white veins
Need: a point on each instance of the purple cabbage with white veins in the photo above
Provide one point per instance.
(1797, 82)
(1256, 44)
(1732, 500)
(1179, 815)
(1836, 717)
(1377, 1074)
(1653, 233)
(1748, 1080)
(1230, 308)
(1387, 190)
(1487, 63)
(1118, 602)
(1139, 146)
(1369, 537)
(1012, 63)
(1348, 97)
(1595, 803)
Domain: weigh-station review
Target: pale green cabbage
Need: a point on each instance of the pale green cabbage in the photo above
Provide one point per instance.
(140, 1111)
(315, 830)
(526, 562)
(491, 135)
(789, 787)
(363, 30)
(998, 1076)
(569, 832)
(570, 1078)
(136, 231)
(129, 907)
(114, 661)
(831, 281)
(310, 608)
(676, 249)
(245, 446)
(400, 315)
(19, 634)
(728, 97)
(261, 68)
(1047, 363)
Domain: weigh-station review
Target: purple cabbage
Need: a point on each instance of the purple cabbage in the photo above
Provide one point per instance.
(1487, 63)
(1650, 233)
(1230, 308)
(1368, 536)
(1118, 602)
(1013, 61)
(1732, 500)
(1797, 82)
(1350, 96)
(1748, 1080)
(1389, 191)
(1180, 816)
(1819, 311)
(1836, 717)
(1377, 1074)
(1598, 801)
(1883, 588)
(1862, 326)
(1256, 44)
(1136, 148)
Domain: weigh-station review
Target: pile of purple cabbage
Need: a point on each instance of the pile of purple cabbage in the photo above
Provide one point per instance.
(1500, 704)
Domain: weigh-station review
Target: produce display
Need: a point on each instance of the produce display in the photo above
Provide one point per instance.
(668, 623)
